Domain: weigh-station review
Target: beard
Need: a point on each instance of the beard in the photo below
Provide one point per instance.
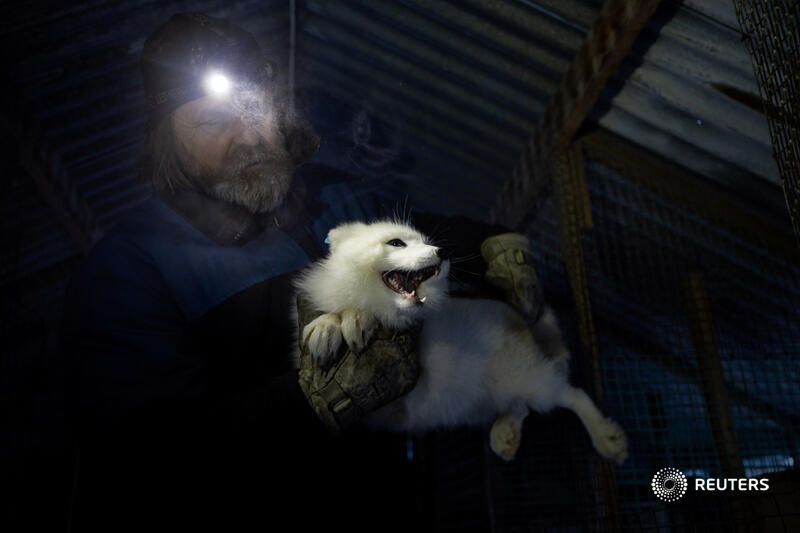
(255, 177)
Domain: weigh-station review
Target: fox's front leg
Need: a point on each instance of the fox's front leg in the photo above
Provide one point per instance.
(323, 336)
(357, 328)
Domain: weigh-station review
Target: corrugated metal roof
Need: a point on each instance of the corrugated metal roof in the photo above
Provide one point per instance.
(672, 95)
(458, 86)
(467, 79)
(470, 79)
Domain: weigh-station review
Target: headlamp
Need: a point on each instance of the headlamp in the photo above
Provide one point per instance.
(217, 84)
(194, 56)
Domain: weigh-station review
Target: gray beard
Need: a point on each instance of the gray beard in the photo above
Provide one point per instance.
(258, 189)
(259, 194)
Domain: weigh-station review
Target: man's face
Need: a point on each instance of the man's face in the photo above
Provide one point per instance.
(234, 150)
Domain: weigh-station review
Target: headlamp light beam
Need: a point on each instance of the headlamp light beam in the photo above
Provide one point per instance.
(217, 84)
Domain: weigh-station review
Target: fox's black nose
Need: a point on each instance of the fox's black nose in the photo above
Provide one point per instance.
(439, 253)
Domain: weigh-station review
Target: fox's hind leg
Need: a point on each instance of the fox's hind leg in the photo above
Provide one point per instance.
(607, 436)
(506, 432)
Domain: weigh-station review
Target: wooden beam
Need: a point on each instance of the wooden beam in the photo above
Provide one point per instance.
(712, 379)
(575, 221)
(575, 215)
(606, 44)
(689, 190)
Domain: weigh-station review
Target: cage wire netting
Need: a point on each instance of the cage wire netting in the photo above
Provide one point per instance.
(641, 257)
(771, 32)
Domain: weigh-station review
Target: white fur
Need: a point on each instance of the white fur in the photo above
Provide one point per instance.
(480, 361)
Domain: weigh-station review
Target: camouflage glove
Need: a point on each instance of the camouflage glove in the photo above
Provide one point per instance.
(510, 268)
(358, 383)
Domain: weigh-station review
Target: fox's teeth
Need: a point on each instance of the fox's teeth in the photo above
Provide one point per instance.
(413, 293)
(422, 299)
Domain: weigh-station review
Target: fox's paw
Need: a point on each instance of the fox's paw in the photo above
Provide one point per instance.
(505, 436)
(357, 328)
(323, 335)
(610, 441)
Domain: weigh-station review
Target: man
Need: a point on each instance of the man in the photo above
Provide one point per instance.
(189, 410)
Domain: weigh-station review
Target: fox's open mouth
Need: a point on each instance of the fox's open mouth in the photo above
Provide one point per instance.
(406, 282)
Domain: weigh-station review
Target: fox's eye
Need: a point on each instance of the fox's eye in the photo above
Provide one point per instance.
(396, 242)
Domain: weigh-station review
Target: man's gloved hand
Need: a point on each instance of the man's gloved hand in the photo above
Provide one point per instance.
(355, 384)
(510, 268)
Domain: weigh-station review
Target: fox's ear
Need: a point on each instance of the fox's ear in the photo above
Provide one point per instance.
(341, 233)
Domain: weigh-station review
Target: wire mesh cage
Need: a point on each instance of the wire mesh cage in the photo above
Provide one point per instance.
(771, 32)
(698, 338)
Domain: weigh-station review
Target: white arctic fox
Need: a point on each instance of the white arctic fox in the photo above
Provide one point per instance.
(480, 361)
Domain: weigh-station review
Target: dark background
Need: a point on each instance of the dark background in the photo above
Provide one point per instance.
(432, 102)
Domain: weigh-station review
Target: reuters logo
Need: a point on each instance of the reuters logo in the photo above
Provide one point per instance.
(669, 484)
